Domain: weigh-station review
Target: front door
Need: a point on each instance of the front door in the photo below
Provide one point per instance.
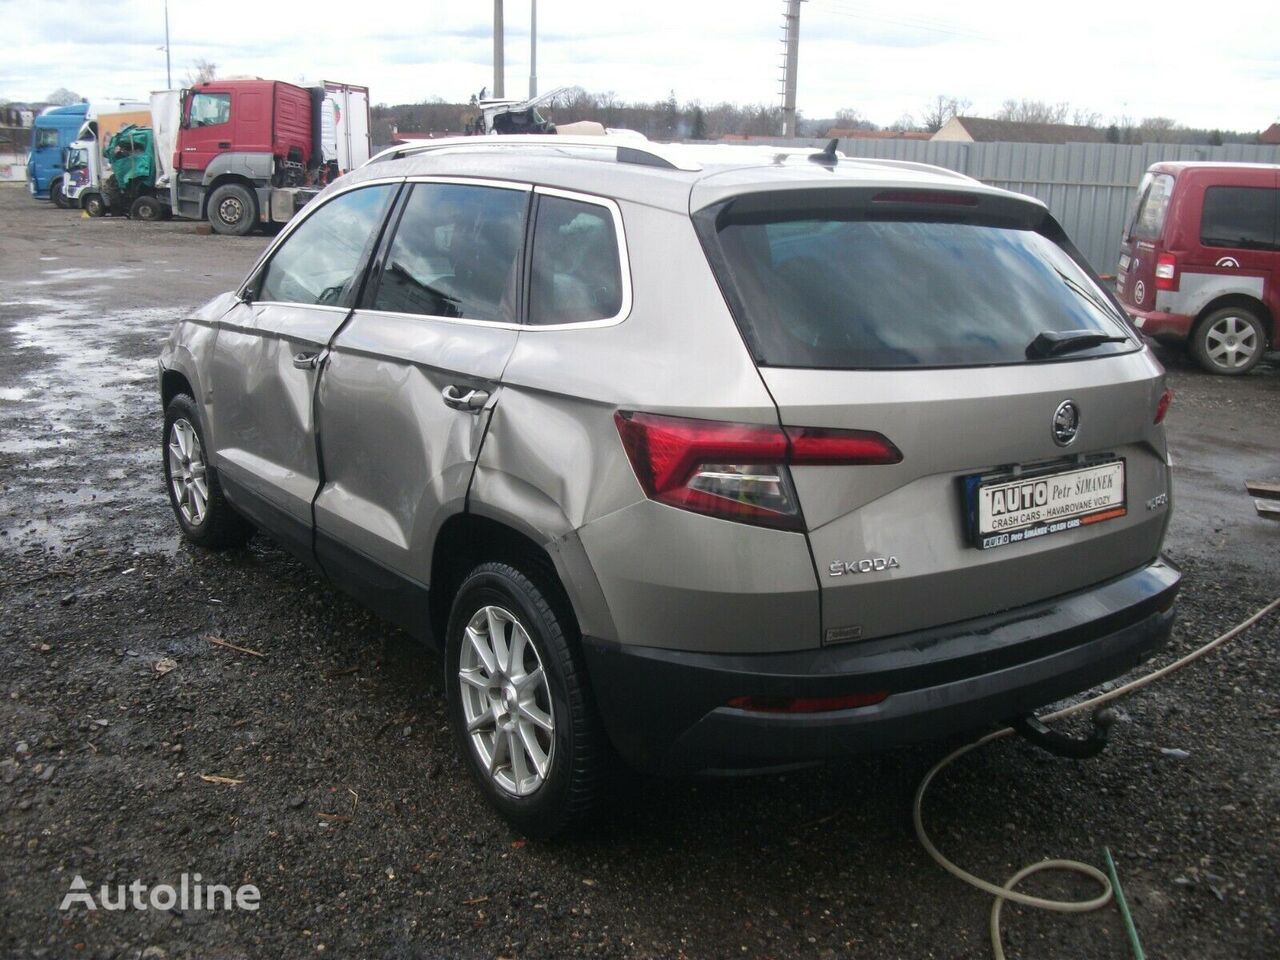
(411, 380)
(269, 351)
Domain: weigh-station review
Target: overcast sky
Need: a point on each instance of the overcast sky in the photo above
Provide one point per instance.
(1217, 67)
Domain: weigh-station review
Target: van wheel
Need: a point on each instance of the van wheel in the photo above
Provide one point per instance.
(57, 196)
(233, 210)
(1229, 341)
(146, 208)
(94, 205)
(519, 701)
(205, 517)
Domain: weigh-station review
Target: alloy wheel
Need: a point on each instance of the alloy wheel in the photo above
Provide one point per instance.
(506, 701)
(188, 472)
(1231, 342)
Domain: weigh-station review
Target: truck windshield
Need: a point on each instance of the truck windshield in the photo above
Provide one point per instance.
(867, 293)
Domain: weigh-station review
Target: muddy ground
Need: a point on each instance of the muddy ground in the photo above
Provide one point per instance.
(357, 824)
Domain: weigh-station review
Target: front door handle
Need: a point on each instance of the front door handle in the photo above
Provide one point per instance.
(224, 144)
(306, 361)
(464, 398)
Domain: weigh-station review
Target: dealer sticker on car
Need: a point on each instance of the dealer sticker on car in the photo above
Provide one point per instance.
(1023, 508)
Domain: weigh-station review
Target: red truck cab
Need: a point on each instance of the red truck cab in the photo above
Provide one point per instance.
(1200, 260)
(240, 140)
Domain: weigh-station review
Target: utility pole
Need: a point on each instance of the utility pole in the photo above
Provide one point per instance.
(790, 61)
(498, 68)
(168, 71)
(533, 48)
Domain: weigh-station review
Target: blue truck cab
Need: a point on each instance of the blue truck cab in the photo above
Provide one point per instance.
(52, 132)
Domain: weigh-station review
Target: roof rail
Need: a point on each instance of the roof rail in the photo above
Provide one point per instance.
(628, 149)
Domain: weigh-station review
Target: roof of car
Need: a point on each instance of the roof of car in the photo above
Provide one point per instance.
(670, 176)
(1174, 166)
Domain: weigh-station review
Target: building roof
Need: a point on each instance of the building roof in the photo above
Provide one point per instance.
(1270, 135)
(853, 133)
(987, 130)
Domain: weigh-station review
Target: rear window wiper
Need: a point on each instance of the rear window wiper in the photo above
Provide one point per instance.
(1054, 343)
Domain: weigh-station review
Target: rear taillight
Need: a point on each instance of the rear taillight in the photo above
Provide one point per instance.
(1166, 272)
(1162, 407)
(737, 471)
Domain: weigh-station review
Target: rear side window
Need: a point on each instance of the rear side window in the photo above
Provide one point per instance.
(884, 293)
(319, 263)
(1242, 217)
(1153, 204)
(456, 253)
(576, 272)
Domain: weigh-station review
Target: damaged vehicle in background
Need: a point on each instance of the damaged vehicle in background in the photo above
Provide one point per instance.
(921, 489)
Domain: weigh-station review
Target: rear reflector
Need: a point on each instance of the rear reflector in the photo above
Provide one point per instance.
(808, 704)
(737, 471)
(1162, 407)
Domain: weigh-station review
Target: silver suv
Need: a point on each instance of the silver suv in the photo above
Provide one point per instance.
(710, 458)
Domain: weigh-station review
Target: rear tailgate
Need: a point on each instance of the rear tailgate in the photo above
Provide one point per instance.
(961, 325)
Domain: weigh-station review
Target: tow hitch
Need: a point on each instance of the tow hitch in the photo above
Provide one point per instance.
(1061, 745)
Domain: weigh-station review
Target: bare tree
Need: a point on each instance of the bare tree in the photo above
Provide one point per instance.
(904, 124)
(63, 97)
(1034, 111)
(1157, 130)
(941, 109)
(202, 71)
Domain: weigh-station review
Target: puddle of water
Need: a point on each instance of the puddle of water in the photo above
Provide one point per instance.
(13, 393)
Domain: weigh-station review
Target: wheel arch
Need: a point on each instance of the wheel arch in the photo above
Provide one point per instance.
(172, 383)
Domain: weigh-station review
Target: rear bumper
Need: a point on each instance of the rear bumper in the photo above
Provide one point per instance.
(1162, 326)
(667, 711)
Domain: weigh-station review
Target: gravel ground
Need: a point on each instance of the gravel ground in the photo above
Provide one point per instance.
(359, 827)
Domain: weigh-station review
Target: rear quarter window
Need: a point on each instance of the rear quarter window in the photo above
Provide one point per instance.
(1243, 217)
(1153, 205)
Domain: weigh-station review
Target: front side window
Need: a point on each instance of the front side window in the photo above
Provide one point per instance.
(456, 253)
(576, 274)
(1243, 217)
(1153, 204)
(819, 291)
(210, 109)
(47, 137)
(320, 261)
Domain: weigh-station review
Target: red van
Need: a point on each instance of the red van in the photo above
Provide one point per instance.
(1200, 260)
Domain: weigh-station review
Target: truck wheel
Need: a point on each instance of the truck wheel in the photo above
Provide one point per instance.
(233, 210)
(1229, 341)
(146, 208)
(94, 205)
(520, 703)
(57, 196)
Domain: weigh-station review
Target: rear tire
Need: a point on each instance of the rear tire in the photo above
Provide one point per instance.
(543, 781)
(233, 210)
(57, 196)
(204, 516)
(94, 205)
(146, 208)
(1229, 341)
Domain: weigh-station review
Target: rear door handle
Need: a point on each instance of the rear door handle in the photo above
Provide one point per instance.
(464, 398)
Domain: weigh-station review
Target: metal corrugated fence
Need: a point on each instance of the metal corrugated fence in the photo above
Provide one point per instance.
(1087, 186)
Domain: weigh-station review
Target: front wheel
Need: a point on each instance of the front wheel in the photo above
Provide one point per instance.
(519, 701)
(233, 210)
(1229, 341)
(94, 205)
(146, 208)
(57, 196)
(203, 514)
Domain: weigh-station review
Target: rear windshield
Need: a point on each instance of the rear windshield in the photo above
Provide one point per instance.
(882, 293)
(1153, 204)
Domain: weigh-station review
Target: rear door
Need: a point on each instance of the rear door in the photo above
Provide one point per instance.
(270, 348)
(1135, 273)
(412, 379)
(1023, 475)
